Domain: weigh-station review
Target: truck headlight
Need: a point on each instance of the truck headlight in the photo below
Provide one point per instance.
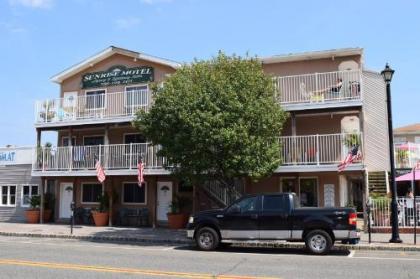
(191, 220)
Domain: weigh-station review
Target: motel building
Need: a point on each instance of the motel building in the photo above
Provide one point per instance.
(334, 102)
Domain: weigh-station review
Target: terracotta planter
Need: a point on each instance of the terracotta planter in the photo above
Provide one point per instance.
(46, 216)
(32, 216)
(177, 220)
(100, 218)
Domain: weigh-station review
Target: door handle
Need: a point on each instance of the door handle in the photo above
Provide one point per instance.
(254, 216)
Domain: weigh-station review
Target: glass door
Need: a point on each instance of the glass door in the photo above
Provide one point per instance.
(308, 191)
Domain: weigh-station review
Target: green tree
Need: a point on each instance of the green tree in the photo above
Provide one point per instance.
(217, 119)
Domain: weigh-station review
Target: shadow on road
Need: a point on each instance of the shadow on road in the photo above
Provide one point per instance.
(251, 250)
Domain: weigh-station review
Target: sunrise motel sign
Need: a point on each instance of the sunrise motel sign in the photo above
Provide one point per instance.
(117, 75)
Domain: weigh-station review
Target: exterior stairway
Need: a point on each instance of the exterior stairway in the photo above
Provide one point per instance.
(214, 195)
(378, 183)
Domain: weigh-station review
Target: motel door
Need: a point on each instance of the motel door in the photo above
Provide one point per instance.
(69, 105)
(66, 197)
(164, 199)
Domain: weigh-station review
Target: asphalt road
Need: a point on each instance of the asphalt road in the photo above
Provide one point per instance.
(59, 258)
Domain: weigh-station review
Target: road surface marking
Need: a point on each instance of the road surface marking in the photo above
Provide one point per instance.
(123, 270)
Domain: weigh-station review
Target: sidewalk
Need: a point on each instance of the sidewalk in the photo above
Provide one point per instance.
(178, 237)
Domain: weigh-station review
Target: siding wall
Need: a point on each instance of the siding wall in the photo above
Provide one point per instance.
(376, 144)
(16, 175)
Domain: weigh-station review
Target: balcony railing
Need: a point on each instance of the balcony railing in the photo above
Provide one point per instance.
(319, 149)
(91, 107)
(329, 87)
(112, 157)
(406, 155)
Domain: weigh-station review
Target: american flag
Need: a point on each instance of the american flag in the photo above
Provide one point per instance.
(353, 155)
(140, 170)
(100, 173)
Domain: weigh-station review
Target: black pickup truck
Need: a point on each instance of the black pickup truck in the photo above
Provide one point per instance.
(266, 217)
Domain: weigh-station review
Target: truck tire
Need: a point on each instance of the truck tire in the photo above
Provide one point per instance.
(207, 239)
(318, 242)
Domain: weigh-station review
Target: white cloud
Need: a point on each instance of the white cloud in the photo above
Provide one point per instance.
(41, 4)
(12, 27)
(152, 2)
(127, 22)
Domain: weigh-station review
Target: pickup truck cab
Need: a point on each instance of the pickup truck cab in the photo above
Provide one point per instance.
(267, 217)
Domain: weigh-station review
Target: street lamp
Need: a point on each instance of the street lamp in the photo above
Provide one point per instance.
(387, 74)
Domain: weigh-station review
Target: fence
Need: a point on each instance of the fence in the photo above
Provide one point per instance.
(381, 212)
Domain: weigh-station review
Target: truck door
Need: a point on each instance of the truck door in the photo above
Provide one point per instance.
(274, 219)
(241, 219)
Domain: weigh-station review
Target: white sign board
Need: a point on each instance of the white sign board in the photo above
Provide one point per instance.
(16, 156)
(329, 195)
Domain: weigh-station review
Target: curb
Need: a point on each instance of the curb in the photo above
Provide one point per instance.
(100, 238)
(289, 245)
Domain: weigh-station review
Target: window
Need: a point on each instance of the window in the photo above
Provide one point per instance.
(400, 139)
(134, 138)
(8, 195)
(275, 203)
(93, 140)
(28, 191)
(417, 139)
(246, 205)
(91, 192)
(132, 193)
(308, 192)
(136, 96)
(95, 99)
(66, 141)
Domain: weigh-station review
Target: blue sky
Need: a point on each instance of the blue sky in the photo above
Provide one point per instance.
(39, 38)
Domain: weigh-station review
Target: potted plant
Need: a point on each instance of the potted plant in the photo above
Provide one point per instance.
(101, 215)
(177, 216)
(32, 214)
(49, 202)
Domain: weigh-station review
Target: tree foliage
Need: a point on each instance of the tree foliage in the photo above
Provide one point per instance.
(216, 119)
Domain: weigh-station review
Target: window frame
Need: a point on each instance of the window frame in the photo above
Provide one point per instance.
(94, 136)
(81, 191)
(95, 90)
(133, 203)
(126, 104)
(317, 188)
(73, 139)
(30, 194)
(8, 195)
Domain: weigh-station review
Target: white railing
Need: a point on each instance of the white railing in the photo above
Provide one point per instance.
(319, 149)
(406, 155)
(114, 156)
(338, 86)
(99, 106)
(381, 212)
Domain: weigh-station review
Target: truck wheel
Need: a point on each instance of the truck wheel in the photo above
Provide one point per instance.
(207, 239)
(318, 242)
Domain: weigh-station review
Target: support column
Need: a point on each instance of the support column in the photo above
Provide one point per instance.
(153, 184)
(343, 190)
(38, 137)
(293, 120)
(110, 198)
(43, 186)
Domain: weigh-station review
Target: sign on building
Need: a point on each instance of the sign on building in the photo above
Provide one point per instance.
(118, 75)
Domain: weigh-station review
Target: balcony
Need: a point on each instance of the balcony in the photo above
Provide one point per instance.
(299, 153)
(320, 90)
(406, 155)
(116, 159)
(91, 109)
(319, 152)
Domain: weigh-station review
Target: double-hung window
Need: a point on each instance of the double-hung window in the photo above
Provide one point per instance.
(29, 191)
(136, 97)
(133, 193)
(8, 195)
(91, 192)
(95, 99)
